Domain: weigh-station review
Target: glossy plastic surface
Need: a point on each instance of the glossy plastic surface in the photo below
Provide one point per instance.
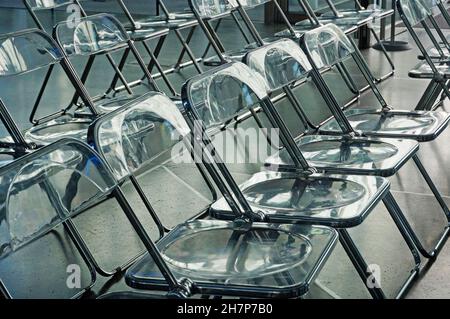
(415, 10)
(224, 93)
(419, 125)
(280, 63)
(123, 137)
(336, 201)
(39, 192)
(336, 154)
(91, 35)
(327, 45)
(27, 51)
(223, 257)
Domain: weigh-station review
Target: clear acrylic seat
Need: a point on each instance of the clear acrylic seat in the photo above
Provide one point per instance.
(420, 13)
(422, 126)
(7, 155)
(176, 21)
(239, 54)
(327, 46)
(337, 154)
(38, 5)
(265, 260)
(94, 36)
(375, 13)
(343, 22)
(434, 53)
(147, 31)
(339, 201)
(424, 71)
(239, 259)
(304, 26)
(62, 202)
(207, 12)
(170, 19)
(62, 127)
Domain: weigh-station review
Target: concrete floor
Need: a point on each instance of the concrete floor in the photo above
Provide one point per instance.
(168, 184)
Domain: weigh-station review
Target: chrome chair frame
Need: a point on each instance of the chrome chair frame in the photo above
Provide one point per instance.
(245, 218)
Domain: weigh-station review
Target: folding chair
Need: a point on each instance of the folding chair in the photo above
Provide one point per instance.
(27, 53)
(421, 12)
(156, 32)
(144, 30)
(99, 36)
(296, 32)
(53, 201)
(241, 258)
(326, 46)
(349, 21)
(208, 12)
(225, 97)
(435, 64)
(284, 66)
(360, 12)
(348, 17)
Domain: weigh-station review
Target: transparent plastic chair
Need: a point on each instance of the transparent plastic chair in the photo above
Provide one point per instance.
(327, 46)
(144, 29)
(237, 258)
(101, 35)
(283, 64)
(208, 12)
(30, 51)
(349, 21)
(360, 12)
(50, 205)
(436, 58)
(38, 238)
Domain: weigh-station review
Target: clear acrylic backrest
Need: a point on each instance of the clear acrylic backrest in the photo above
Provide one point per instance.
(27, 51)
(134, 135)
(281, 63)
(211, 8)
(415, 10)
(223, 93)
(91, 35)
(327, 45)
(38, 193)
(47, 4)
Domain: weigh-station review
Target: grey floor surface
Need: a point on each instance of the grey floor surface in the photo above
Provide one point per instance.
(377, 238)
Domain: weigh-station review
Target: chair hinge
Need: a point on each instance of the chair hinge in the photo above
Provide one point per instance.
(183, 290)
(387, 108)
